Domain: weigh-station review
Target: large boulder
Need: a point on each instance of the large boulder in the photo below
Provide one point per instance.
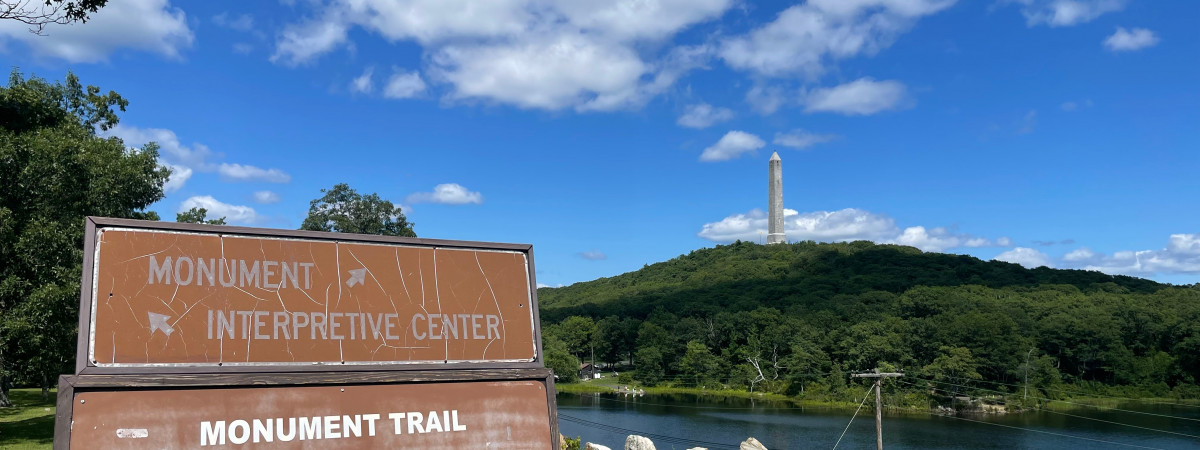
(634, 442)
(591, 446)
(752, 444)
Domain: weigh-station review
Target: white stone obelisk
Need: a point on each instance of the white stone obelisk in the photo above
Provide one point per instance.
(775, 233)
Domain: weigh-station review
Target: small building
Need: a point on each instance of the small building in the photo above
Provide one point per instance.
(587, 371)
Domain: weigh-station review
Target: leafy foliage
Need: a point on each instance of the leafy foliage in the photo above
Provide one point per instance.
(54, 171)
(558, 359)
(197, 215)
(344, 210)
(793, 318)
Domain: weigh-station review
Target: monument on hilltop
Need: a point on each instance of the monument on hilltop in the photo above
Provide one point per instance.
(775, 233)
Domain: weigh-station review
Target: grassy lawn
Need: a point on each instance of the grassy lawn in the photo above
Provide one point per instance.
(29, 424)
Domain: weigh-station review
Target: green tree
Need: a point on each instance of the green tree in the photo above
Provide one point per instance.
(198, 215)
(650, 368)
(607, 339)
(344, 210)
(954, 365)
(559, 360)
(806, 363)
(578, 333)
(700, 363)
(54, 171)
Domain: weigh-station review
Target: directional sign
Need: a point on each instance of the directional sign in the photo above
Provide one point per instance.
(492, 414)
(168, 297)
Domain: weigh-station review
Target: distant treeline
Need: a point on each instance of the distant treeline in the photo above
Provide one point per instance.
(797, 317)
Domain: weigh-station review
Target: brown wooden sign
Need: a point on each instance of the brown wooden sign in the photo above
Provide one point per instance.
(204, 296)
(511, 414)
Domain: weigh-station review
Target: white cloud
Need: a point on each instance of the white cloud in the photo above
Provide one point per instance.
(239, 172)
(433, 22)
(629, 20)
(703, 115)
(863, 96)
(198, 157)
(1083, 254)
(826, 226)
(180, 159)
(1025, 256)
(298, 44)
(1180, 256)
(170, 149)
(678, 62)
(362, 84)
(545, 72)
(404, 85)
(542, 54)
(216, 209)
(1028, 122)
(242, 48)
(448, 193)
(1070, 106)
(244, 22)
(848, 224)
(801, 139)
(144, 25)
(179, 177)
(940, 239)
(1065, 13)
(843, 225)
(806, 37)
(765, 99)
(593, 255)
(732, 145)
(266, 197)
(1129, 40)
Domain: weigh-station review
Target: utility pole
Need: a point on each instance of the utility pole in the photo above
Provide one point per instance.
(878, 376)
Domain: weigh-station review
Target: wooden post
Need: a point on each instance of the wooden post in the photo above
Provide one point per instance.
(878, 376)
(878, 415)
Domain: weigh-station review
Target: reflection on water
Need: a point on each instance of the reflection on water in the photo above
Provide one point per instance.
(723, 423)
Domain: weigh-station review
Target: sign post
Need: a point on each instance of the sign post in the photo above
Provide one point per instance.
(196, 334)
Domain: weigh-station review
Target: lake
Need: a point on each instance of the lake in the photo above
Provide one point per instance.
(685, 421)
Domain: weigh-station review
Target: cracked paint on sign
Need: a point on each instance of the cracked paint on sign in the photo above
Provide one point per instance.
(165, 297)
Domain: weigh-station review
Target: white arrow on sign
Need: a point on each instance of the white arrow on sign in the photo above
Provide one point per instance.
(357, 276)
(159, 322)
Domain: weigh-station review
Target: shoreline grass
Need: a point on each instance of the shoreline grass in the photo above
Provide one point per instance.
(1082, 403)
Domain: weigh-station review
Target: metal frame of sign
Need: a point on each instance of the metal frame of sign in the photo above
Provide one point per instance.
(71, 385)
(94, 225)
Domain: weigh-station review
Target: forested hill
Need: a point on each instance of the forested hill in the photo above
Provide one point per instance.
(783, 317)
(744, 276)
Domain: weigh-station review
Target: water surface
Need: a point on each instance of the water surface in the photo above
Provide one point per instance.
(685, 421)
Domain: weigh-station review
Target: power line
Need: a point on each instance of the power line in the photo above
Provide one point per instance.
(627, 431)
(879, 377)
(1086, 393)
(1118, 423)
(1102, 420)
(1048, 432)
(1071, 403)
(860, 405)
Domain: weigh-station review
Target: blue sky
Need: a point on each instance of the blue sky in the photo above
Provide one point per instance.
(613, 135)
